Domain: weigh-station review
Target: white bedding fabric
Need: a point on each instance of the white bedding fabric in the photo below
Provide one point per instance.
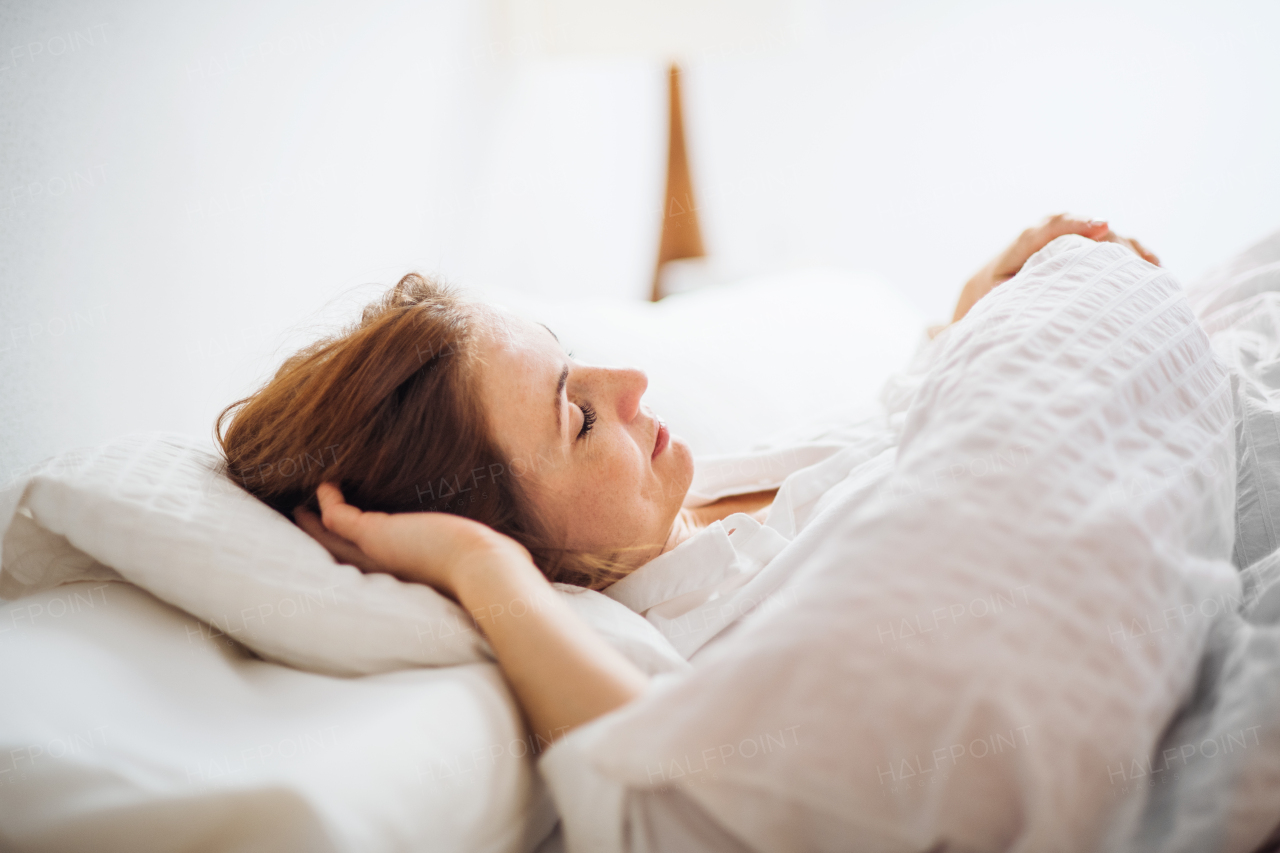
(162, 514)
(1239, 305)
(127, 716)
(722, 572)
(127, 728)
(1066, 459)
(159, 511)
(191, 733)
(134, 721)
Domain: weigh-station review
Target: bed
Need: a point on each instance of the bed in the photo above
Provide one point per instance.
(135, 718)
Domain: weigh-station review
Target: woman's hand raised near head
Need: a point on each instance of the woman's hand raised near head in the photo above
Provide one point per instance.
(563, 672)
(1007, 264)
(434, 548)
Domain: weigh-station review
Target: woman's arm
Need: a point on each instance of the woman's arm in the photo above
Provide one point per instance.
(1007, 264)
(562, 672)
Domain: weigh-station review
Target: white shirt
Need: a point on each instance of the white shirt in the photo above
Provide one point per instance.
(718, 575)
(700, 588)
(692, 594)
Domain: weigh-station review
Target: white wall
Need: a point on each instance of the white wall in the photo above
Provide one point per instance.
(185, 193)
(188, 192)
(916, 138)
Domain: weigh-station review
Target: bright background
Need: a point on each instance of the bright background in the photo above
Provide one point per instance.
(185, 194)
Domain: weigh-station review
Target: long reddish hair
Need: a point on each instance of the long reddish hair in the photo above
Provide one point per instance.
(385, 410)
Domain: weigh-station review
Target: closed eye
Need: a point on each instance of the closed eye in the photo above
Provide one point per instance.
(588, 419)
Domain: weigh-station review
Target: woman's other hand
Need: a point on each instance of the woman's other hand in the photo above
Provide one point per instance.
(1007, 264)
(434, 548)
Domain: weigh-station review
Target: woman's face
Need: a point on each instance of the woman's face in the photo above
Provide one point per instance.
(580, 436)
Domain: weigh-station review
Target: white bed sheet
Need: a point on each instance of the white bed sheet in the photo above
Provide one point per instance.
(126, 727)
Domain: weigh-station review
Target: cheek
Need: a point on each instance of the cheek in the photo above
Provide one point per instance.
(683, 476)
(617, 497)
(609, 503)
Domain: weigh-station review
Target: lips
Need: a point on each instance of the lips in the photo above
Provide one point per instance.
(661, 439)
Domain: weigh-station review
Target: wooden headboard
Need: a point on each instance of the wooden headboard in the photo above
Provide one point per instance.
(681, 231)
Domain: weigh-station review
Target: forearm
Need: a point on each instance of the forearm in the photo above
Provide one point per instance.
(562, 672)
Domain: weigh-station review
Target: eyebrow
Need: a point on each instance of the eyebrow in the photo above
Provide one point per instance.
(560, 383)
(553, 334)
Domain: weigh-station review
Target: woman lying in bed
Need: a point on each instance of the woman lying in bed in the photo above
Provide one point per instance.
(574, 479)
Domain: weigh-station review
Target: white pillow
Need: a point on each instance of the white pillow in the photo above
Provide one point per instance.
(966, 661)
(160, 512)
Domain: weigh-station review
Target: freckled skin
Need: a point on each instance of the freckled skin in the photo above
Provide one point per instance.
(602, 490)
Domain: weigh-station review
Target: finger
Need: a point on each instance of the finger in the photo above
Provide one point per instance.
(1113, 237)
(1147, 255)
(339, 516)
(1137, 247)
(341, 549)
(314, 527)
(327, 494)
(308, 521)
(1061, 224)
(1036, 238)
(1131, 245)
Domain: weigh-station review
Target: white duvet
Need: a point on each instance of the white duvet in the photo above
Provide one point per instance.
(968, 659)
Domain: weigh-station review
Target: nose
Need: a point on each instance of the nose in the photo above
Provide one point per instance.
(628, 386)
